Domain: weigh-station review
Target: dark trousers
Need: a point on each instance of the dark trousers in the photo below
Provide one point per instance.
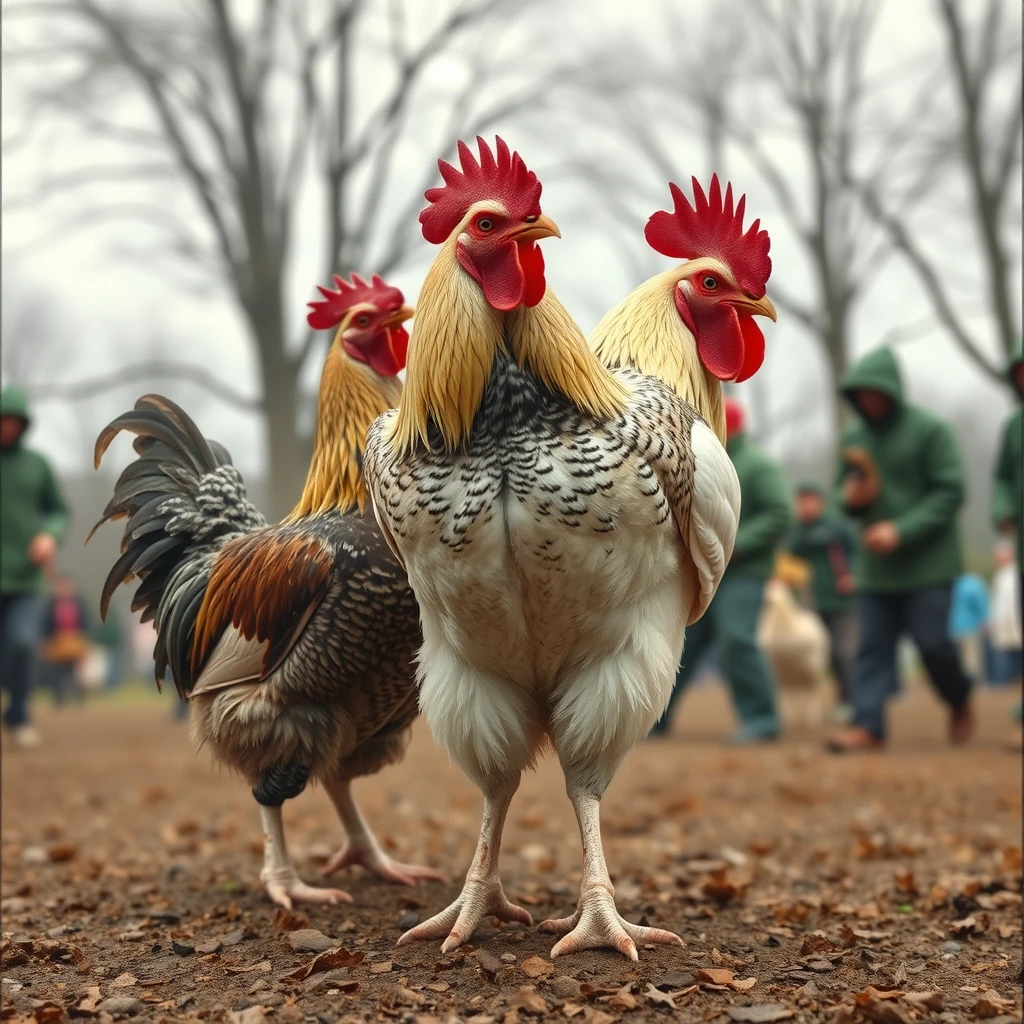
(842, 632)
(924, 616)
(729, 627)
(20, 622)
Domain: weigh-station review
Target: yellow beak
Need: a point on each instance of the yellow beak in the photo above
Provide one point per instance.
(757, 307)
(542, 227)
(399, 316)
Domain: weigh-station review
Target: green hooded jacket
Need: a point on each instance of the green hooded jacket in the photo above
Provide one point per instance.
(764, 509)
(922, 484)
(1008, 494)
(30, 503)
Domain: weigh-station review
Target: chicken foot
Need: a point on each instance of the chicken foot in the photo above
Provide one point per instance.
(361, 846)
(597, 923)
(482, 895)
(279, 877)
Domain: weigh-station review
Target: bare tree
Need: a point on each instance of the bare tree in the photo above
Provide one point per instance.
(980, 126)
(271, 128)
(787, 91)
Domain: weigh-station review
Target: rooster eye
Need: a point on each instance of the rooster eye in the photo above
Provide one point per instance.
(485, 223)
(710, 283)
(363, 320)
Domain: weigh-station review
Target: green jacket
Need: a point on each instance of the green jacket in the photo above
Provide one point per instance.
(764, 510)
(30, 503)
(1008, 494)
(922, 484)
(828, 544)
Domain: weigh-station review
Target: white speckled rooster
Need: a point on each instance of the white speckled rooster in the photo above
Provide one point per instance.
(561, 523)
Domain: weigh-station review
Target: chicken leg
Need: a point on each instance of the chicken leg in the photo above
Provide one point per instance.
(361, 846)
(596, 923)
(482, 895)
(279, 877)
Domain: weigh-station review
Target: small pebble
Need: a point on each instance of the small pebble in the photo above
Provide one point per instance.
(565, 987)
(124, 1005)
(309, 940)
(408, 920)
(183, 948)
(258, 985)
(233, 938)
(952, 947)
(509, 958)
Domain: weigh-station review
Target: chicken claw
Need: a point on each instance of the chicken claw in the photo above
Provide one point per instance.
(285, 887)
(478, 899)
(597, 924)
(380, 864)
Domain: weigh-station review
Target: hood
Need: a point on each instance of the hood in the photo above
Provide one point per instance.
(14, 402)
(877, 371)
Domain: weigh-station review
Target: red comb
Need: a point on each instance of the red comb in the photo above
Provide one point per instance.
(324, 315)
(713, 228)
(504, 178)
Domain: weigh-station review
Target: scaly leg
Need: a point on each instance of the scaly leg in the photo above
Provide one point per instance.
(362, 847)
(282, 883)
(597, 923)
(482, 895)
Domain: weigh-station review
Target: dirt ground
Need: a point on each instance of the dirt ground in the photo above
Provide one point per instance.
(885, 889)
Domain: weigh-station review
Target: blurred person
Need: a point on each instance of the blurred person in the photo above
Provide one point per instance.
(1008, 493)
(968, 618)
(33, 521)
(1005, 634)
(730, 624)
(109, 636)
(824, 538)
(906, 488)
(65, 642)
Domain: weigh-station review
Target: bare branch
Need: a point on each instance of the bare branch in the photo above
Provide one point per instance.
(141, 373)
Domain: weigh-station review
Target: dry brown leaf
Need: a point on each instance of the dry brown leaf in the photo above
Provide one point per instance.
(571, 1010)
(529, 1000)
(991, 1005)
(726, 959)
(534, 967)
(263, 967)
(489, 963)
(987, 967)
(929, 1000)
(250, 1015)
(62, 853)
(764, 1013)
(713, 975)
(49, 1013)
(125, 980)
(882, 1007)
(328, 960)
(623, 999)
(384, 967)
(970, 925)
(591, 992)
(744, 985)
(600, 1017)
(817, 942)
(286, 921)
(656, 996)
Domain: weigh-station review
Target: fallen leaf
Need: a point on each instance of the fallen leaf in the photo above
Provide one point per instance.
(656, 996)
(62, 853)
(569, 1010)
(125, 980)
(286, 921)
(743, 986)
(600, 1017)
(623, 999)
(438, 986)
(326, 961)
(970, 925)
(534, 967)
(817, 942)
(250, 1015)
(263, 966)
(713, 975)
(49, 1013)
(489, 964)
(991, 1005)
(88, 1003)
(929, 1000)
(763, 1013)
(529, 1000)
(384, 967)
(881, 1007)
(591, 992)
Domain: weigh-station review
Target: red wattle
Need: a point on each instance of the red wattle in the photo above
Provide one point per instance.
(497, 271)
(398, 338)
(531, 259)
(720, 343)
(753, 348)
(379, 356)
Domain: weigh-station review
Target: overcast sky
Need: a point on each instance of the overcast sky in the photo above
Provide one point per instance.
(102, 311)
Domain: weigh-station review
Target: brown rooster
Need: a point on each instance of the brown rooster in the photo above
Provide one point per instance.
(293, 643)
(561, 524)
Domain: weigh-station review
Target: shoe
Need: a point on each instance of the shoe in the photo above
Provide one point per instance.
(751, 737)
(961, 725)
(25, 736)
(854, 739)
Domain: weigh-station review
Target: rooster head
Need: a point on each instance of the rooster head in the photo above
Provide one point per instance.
(721, 287)
(491, 207)
(369, 319)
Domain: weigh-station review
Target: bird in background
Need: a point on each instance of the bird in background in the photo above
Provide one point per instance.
(561, 523)
(293, 642)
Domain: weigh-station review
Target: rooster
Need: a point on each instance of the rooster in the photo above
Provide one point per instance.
(293, 643)
(561, 523)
